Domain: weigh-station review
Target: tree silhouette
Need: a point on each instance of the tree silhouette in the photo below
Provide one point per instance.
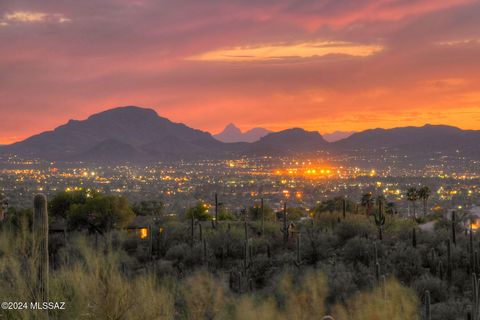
(424, 194)
(412, 196)
(367, 202)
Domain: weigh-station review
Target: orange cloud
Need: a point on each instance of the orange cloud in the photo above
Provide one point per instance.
(285, 51)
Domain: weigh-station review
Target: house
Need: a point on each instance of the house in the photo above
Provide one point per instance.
(474, 216)
(142, 226)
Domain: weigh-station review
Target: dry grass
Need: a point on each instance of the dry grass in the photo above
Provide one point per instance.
(391, 301)
(93, 287)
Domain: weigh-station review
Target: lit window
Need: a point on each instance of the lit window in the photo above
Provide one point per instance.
(143, 233)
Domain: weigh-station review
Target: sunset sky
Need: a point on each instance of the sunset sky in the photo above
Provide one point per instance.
(322, 65)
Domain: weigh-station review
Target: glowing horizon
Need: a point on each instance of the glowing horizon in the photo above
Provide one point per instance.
(321, 65)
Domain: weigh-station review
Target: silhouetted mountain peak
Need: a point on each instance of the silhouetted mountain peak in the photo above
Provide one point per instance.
(231, 127)
(125, 112)
(232, 133)
(130, 127)
(293, 133)
(294, 139)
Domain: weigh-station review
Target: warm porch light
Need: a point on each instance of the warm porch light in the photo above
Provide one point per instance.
(143, 233)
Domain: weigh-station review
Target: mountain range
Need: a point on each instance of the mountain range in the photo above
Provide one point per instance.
(125, 133)
(140, 134)
(426, 140)
(232, 133)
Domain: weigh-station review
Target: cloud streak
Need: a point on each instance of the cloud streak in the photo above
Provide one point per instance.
(18, 17)
(290, 50)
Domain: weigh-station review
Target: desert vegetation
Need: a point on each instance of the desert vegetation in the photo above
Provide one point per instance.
(334, 261)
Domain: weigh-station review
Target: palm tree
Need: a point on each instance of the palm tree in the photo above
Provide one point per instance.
(424, 194)
(367, 202)
(412, 196)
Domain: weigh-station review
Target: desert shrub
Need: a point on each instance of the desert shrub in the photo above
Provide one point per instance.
(341, 281)
(316, 245)
(271, 229)
(261, 271)
(183, 253)
(302, 297)
(358, 250)
(437, 288)
(448, 310)
(230, 242)
(203, 297)
(399, 227)
(327, 220)
(393, 301)
(405, 262)
(354, 226)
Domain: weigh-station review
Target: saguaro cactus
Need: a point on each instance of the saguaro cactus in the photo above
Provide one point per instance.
(380, 220)
(414, 237)
(228, 239)
(468, 315)
(216, 210)
(454, 231)
(192, 231)
(475, 262)
(428, 312)
(40, 244)
(245, 258)
(475, 297)
(433, 261)
(204, 251)
(246, 230)
(470, 251)
(285, 225)
(377, 272)
(299, 258)
(344, 208)
(449, 261)
(298, 261)
(263, 216)
(440, 269)
(231, 280)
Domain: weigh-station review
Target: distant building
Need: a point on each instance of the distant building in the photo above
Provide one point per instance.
(474, 214)
(140, 226)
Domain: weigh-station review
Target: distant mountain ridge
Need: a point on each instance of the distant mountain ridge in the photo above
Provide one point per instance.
(140, 134)
(120, 133)
(295, 139)
(232, 133)
(415, 140)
